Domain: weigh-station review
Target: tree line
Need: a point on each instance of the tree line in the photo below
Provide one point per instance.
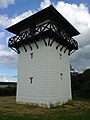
(80, 83)
(8, 89)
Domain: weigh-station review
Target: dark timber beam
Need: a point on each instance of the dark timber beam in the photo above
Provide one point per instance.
(61, 48)
(65, 49)
(52, 42)
(45, 27)
(49, 41)
(33, 32)
(37, 29)
(54, 28)
(71, 52)
(30, 46)
(57, 46)
(44, 41)
(36, 44)
(16, 50)
(24, 48)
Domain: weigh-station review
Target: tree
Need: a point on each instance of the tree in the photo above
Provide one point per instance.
(81, 84)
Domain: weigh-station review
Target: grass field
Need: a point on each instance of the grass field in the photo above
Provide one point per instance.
(74, 110)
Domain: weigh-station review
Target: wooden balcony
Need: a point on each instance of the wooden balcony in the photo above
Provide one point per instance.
(45, 30)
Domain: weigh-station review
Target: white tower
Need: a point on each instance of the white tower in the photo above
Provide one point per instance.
(43, 42)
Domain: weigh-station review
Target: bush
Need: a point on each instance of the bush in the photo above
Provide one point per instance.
(8, 91)
(81, 84)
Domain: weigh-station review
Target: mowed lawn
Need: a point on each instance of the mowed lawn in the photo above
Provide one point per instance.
(73, 110)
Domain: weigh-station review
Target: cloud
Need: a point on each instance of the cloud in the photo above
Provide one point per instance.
(45, 3)
(81, 58)
(8, 58)
(21, 17)
(6, 3)
(2, 78)
(5, 21)
(79, 16)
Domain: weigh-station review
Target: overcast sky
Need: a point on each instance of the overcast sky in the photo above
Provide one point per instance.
(77, 12)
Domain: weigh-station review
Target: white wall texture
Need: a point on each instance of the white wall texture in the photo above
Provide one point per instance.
(47, 87)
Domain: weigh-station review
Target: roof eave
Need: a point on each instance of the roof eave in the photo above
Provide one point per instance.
(14, 28)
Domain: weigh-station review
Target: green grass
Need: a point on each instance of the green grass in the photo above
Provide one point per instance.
(55, 116)
(73, 110)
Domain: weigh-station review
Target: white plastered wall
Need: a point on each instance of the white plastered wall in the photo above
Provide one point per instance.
(46, 67)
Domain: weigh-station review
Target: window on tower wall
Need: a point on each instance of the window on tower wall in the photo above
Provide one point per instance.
(31, 78)
(31, 55)
(61, 74)
(60, 56)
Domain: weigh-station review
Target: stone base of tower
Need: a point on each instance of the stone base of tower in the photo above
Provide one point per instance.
(45, 105)
(44, 77)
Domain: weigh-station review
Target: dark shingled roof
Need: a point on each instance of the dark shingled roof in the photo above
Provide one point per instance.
(49, 13)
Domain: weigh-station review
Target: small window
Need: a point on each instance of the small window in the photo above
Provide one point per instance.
(60, 56)
(61, 74)
(31, 54)
(31, 78)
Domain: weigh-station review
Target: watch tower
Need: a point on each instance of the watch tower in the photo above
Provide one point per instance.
(43, 43)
